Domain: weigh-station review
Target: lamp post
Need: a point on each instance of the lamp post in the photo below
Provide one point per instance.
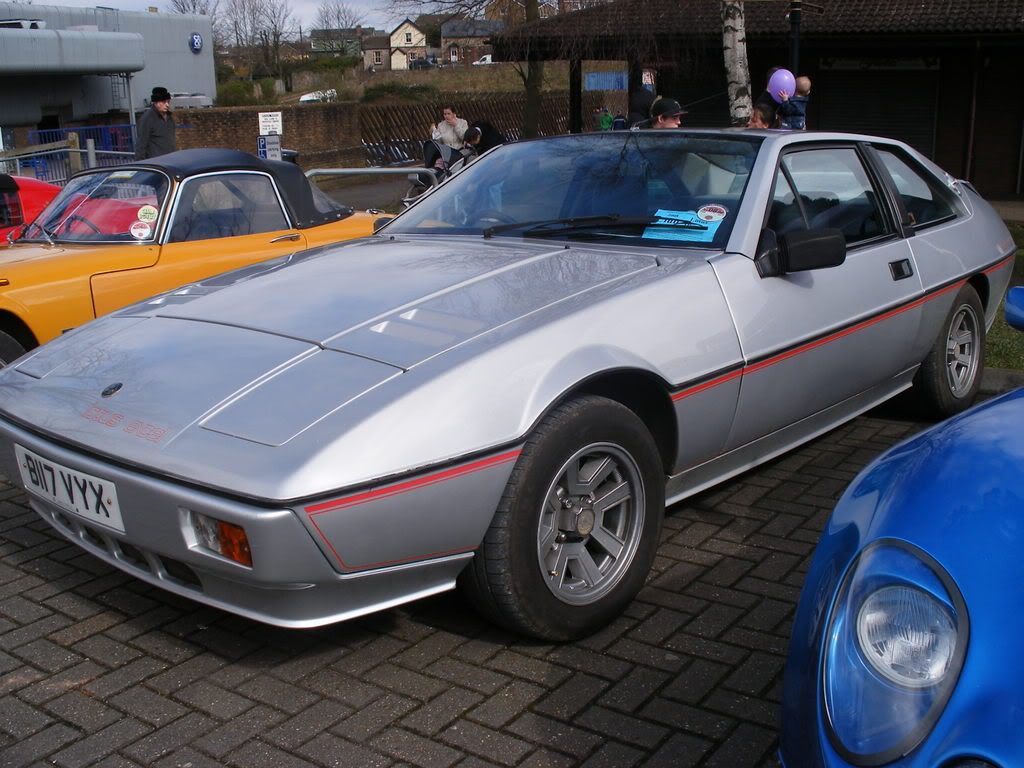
(795, 12)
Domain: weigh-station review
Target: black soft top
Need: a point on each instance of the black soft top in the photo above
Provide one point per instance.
(307, 205)
(7, 184)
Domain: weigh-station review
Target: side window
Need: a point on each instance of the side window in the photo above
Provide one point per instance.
(924, 199)
(785, 214)
(226, 205)
(835, 192)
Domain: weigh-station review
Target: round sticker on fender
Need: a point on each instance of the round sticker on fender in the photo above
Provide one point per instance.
(140, 230)
(712, 212)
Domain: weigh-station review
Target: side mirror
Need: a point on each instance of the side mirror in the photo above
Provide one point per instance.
(799, 251)
(1015, 308)
(378, 223)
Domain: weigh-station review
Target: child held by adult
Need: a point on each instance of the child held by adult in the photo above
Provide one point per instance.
(793, 107)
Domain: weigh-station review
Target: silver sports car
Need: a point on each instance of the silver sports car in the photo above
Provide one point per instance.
(506, 384)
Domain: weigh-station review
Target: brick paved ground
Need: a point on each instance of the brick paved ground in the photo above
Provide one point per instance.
(97, 668)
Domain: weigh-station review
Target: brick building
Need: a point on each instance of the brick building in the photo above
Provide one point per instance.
(465, 40)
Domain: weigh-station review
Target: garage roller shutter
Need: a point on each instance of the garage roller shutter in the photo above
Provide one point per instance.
(899, 105)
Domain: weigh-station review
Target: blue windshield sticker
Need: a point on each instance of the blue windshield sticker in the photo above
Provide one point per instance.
(681, 225)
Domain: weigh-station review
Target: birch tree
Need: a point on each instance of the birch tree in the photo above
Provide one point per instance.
(734, 51)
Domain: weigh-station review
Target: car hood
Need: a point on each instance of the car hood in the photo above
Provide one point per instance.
(267, 353)
(397, 301)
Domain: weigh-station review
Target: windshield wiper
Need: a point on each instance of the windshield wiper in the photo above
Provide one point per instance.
(561, 226)
(46, 234)
(541, 224)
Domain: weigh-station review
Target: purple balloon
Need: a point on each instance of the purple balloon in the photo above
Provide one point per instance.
(781, 80)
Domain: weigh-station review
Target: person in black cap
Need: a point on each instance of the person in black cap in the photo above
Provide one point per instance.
(665, 113)
(155, 129)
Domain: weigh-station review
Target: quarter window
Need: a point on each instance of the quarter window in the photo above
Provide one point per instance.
(227, 205)
(924, 199)
(830, 189)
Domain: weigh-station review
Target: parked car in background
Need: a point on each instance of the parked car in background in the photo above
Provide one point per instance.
(114, 236)
(505, 386)
(21, 200)
(422, 64)
(906, 640)
(330, 94)
(485, 59)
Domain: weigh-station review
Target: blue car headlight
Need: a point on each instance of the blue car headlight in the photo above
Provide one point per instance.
(894, 648)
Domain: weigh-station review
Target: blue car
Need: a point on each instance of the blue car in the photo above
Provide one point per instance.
(906, 648)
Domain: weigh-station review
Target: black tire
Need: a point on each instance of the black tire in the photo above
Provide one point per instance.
(535, 572)
(948, 380)
(10, 349)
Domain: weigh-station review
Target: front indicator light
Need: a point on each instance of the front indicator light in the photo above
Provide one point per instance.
(225, 539)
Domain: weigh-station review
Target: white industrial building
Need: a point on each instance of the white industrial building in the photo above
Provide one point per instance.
(63, 66)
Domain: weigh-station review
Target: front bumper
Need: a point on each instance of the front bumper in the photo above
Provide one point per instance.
(290, 584)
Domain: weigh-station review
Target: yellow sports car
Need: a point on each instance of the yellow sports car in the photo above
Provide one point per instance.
(115, 236)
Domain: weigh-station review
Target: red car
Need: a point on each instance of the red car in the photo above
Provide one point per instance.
(21, 200)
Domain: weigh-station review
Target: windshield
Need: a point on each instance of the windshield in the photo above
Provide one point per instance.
(108, 206)
(637, 187)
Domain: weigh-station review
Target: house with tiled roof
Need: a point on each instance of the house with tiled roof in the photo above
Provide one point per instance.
(942, 75)
(465, 40)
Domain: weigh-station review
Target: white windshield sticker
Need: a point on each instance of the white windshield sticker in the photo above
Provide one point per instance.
(148, 213)
(140, 230)
(122, 175)
(681, 225)
(713, 212)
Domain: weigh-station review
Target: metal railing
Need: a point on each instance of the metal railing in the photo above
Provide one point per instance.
(422, 180)
(107, 138)
(56, 166)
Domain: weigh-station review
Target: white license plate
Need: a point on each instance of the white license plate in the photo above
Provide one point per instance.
(91, 498)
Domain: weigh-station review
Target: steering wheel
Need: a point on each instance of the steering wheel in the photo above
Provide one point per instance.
(79, 217)
(493, 215)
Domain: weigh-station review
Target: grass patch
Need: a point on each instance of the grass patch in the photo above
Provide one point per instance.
(1004, 347)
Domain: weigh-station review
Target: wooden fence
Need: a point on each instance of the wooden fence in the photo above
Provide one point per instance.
(395, 133)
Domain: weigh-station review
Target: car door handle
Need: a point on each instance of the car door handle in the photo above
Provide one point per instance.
(282, 238)
(901, 269)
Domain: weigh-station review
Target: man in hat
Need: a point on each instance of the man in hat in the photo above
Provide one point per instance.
(665, 113)
(155, 129)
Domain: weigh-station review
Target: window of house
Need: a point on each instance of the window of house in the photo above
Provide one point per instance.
(925, 200)
(454, 53)
(227, 205)
(408, 38)
(378, 57)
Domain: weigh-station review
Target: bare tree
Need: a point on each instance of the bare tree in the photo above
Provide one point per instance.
(203, 8)
(737, 71)
(244, 22)
(334, 14)
(278, 23)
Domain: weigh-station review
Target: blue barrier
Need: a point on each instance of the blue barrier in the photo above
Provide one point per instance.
(108, 138)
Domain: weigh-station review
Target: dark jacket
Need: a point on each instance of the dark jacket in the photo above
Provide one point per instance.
(155, 135)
